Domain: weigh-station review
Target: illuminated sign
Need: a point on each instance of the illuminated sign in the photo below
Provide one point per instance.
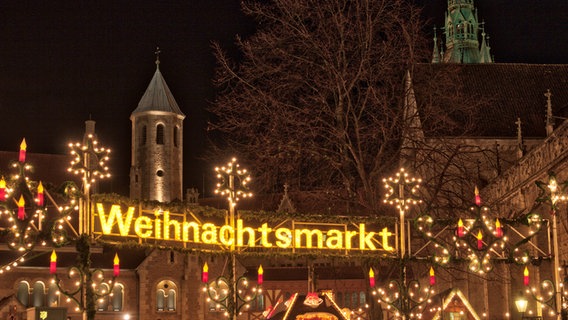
(163, 225)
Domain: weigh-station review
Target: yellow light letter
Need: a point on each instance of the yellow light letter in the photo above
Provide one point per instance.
(284, 237)
(143, 227)
(115, 213)
(334, 239)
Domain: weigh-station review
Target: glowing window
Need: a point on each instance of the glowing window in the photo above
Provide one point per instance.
(38, 294)
(117, 297)
(166, 296)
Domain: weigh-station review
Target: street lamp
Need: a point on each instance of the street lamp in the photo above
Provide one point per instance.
(521, 304)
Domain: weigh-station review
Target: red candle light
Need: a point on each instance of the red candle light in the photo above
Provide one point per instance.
(53, 263)
(477, 197)
(2, 189)
(371, 278)
(498, 230)
(205, 273)
(23, 147)
(460, 228)
(432, 277)
(116, 266)
(526, 276)
(21, 210)
(479, 240)
(260, 279)
(40, 198)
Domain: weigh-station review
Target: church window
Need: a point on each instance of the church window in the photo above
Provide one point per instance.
(171, 302)
(166, 293)
(143, 136)
(24, 293)
(52, 296)
(160, 134)
(354, 300)
(102, 303)
(362, 299)
(117, 297)
(172, 257)
(38, 294)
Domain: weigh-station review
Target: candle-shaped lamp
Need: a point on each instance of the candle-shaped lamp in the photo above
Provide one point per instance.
(116, 265)
(23, 147)
(460, 228)
(526, 276)
(260, 278)
(2, 189)
(498, 229)
(40, 198)
(21, 208)
(53, 263)
(205, 273)
(477, 197)
(371, 278)
(479, 240)
(432, 276)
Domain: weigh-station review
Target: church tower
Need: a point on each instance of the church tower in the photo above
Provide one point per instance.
(462, 31)
(156, 169)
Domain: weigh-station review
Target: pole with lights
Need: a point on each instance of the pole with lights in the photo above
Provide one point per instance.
(403, 295)
(231, 293)
(82, 285)
(89, 161)
(553, 193)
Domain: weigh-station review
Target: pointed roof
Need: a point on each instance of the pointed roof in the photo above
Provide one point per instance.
(158, 96)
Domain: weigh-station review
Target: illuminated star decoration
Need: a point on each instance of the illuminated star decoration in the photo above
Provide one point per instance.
(233, 182)
(89, 160)
(401, 190)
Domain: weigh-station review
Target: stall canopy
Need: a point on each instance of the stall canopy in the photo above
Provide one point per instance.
(311, 306)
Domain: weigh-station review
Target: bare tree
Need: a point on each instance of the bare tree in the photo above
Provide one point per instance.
(319, 99)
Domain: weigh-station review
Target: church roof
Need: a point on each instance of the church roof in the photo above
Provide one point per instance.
(158, 96)
(510, 91)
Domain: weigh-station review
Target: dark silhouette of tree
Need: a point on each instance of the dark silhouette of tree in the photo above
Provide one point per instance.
(321, 98)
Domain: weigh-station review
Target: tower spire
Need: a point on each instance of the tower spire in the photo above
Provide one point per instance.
(462, 31)
(549, 118)
(157, 53)
(435, 53)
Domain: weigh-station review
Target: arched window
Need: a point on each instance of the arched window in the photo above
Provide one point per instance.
(171, 302)
(166, 296)
(102, 302)
(52, 296)
(362, 299)
(24, 293)
(339, 299)
(354, 300)
(117, 297)
(160, 134)
(38, 294)
(143, 136)
(176, 136)
(160, 300)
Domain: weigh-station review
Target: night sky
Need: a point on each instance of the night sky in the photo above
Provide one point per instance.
(63, 62)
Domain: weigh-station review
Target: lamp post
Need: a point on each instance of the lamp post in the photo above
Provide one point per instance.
(521, 304)
(230, 292)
